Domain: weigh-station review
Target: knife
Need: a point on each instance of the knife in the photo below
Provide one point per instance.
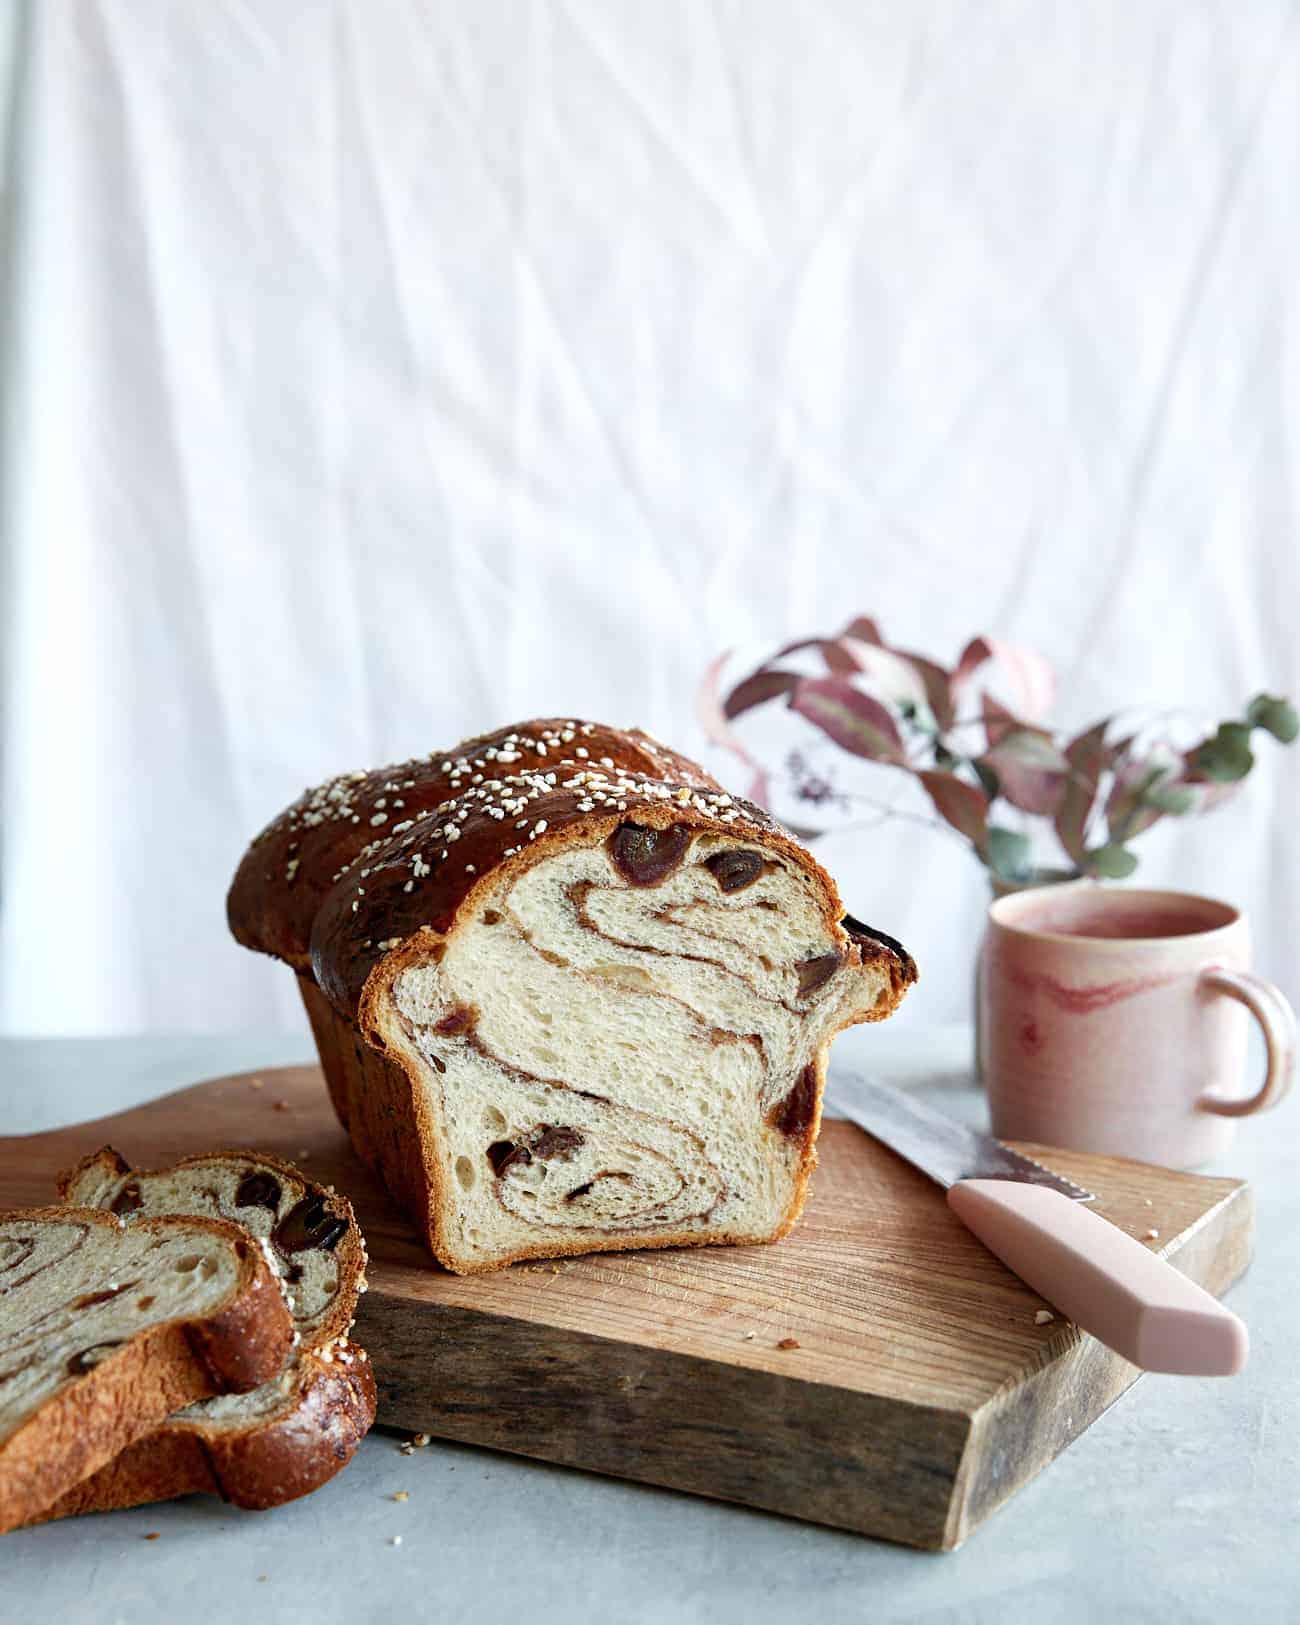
(1037, 1223)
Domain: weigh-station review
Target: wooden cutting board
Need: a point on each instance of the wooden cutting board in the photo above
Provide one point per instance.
(922, 1391)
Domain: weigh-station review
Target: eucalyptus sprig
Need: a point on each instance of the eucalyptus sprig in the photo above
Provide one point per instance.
(974, 756)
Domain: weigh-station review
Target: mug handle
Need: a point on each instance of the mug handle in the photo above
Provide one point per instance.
(1268, 1004)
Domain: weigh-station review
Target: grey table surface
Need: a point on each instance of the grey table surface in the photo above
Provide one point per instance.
(1181, 1504)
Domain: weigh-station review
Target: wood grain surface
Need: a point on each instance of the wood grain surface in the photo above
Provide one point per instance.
(922, 1391)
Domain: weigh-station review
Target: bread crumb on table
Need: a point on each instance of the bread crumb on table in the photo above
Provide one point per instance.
(256, 1083)
(154, 1534)
(394, 1540)
(788, 1343)
(1043, 1317)
(1153, 1235)
(400, 1495)
(282, 1105)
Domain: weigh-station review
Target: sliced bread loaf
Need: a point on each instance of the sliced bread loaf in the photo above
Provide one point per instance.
(569, 994)
(107, 1328)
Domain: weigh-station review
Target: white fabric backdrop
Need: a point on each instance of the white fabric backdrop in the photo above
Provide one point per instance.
(377, 372)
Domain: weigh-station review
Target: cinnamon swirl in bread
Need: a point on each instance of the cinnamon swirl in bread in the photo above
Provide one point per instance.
(569, 994)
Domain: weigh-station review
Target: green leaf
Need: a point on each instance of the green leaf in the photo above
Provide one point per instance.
(1275, 716)
(1110, 862)
(1170, 798)
(1009, 853)
(1227, 756)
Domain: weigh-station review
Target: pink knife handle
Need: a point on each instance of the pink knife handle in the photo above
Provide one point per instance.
(1110, 1285)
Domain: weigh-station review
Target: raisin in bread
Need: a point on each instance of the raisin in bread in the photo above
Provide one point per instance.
(293, 1434)
(569, 994)
(106, 1329)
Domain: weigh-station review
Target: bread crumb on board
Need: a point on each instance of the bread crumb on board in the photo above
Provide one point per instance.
(788, 1343)
(1043, 1317)
(1152, 1235)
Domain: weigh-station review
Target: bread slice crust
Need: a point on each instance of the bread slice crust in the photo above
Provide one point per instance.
(328, 1412)
(241, 1343)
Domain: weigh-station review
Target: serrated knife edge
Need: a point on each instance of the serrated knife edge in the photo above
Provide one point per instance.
(943, 1149)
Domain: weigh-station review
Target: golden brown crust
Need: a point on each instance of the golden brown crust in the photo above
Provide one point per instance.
(292, 865)
(106, 1162)
(379, 1109)
(99, 1413)
(419, 879)
(274, 1461)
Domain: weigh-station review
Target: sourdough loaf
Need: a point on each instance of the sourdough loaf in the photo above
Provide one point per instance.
(569, 994)
(106, 1329)
(291, 1435)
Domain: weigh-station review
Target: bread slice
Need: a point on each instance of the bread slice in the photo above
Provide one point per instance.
(292, 1435)
(610, 1008)
(106, 1329)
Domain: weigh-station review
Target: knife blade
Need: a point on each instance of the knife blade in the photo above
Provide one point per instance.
(1036, 1222)
(945, 1150)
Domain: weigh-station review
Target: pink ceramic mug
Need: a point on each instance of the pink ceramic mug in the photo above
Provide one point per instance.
(1111, 1020)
